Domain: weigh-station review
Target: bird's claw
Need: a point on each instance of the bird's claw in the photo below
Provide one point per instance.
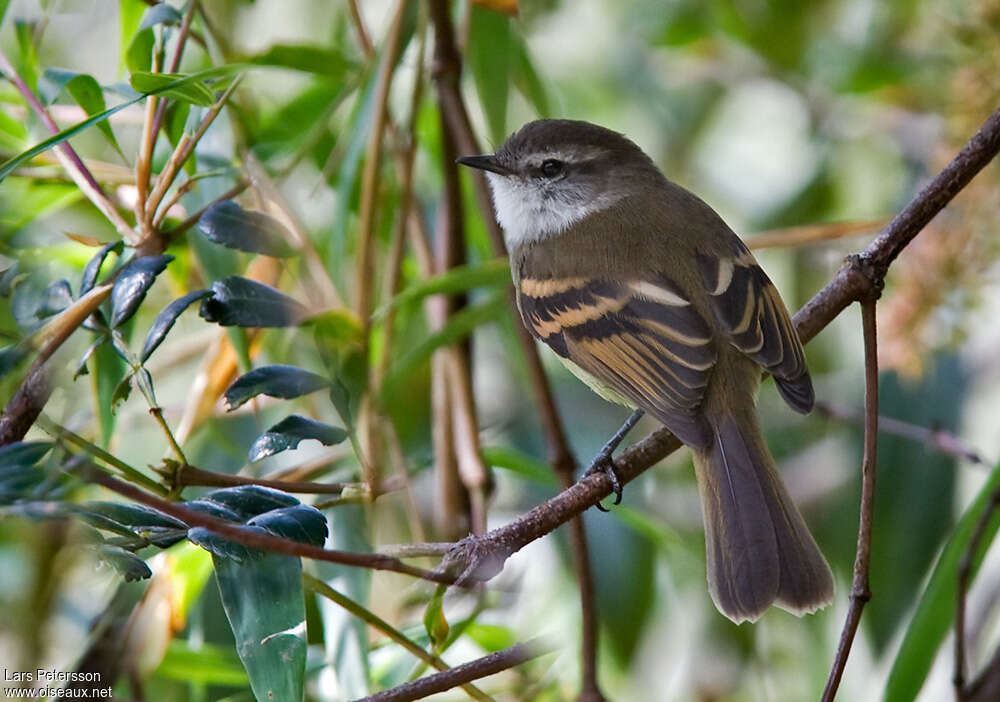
(605, 463)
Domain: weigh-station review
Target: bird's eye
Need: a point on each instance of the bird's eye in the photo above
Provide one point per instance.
(551, 168)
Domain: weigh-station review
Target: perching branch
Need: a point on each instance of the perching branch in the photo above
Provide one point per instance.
(859, 277)
(860, 591)
(479, 668)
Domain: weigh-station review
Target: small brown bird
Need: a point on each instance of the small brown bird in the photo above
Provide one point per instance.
(649, 297)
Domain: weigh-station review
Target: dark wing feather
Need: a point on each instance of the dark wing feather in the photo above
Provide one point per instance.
(750, 309)
(642, 338)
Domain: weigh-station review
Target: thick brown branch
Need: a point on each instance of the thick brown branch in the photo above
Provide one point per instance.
(860, 592)
(857, 279)
(479, 668)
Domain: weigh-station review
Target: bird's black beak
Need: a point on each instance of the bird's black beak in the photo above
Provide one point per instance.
(486, 162)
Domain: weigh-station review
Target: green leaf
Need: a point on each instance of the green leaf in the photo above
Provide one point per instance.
(3, 8)
(265, 607)
(130, 12)
(297, 522)
(435, 623)
(491, 637)
(133, 518)
(24, 200)
(132, 283)
(195, 92)
(489, 54)
(161, 13)
(11, 357)
(70, 132)
(494, 273)
(84, 89)
(213, 509)
(248, 501)
(23, 454)
(289, 432)
(238, 301)
(228, 224)
(222, 548)
(320, 60)
(520, 463)
(284, 382)
(139, 54)
(207, 664)
(458, 326)
(527, 80)
(936, 609)
(164, 321)
(128, 565)
(13, 132)
(93, 267)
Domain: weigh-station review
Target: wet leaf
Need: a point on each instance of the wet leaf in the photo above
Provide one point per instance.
(240, 302)
(132, 283)
(284, 382)
(228, 224)
(164, 321)
(289, 432)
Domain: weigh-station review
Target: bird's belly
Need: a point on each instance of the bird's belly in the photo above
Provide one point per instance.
(602, 389)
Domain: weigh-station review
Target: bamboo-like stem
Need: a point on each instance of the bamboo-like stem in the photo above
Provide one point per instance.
(860, 590)
(69, 159)
(376, 622)
(359, 27)
(175, 63)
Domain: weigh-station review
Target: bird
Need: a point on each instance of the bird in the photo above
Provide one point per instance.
(648, 296)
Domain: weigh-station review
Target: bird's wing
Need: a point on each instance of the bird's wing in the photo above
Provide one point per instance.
(749, 308)
(641, 337)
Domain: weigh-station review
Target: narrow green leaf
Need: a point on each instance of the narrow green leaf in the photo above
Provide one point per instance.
(494, 273)
(23, 454)
(195, 92)
(208, 664)
(936, 609)
(520, 463)
(228, 224)
(238, 301)
(321, 60)
(527, 80)
(164, 321)
(83, 88)
(289, 432)
(266, 610)
(3, 8)
(489, 57)
(132, 283)
(130, 13)
(279, 381)
(93, 267)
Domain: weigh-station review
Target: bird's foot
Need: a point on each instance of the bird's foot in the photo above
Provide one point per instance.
(604, 462)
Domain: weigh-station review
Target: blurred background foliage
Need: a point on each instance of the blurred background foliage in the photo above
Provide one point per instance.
(806, 123)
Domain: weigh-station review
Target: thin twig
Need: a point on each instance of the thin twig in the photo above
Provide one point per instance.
(175, 62)
(376, 622)
(359, 26)
(939, 440)
(962, 590)
(860, 591)
(262, 540)
(812, 233)
(190, 476)
(479, 668)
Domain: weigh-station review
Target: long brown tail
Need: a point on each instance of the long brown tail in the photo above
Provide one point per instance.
(759, 549)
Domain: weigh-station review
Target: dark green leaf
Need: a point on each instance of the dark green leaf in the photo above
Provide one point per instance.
(284, 382)
(128, 565)
(300, 57)
(237, 301)
(298, 522)
(291, 430)
(165, 321)
(23, 454)
(265, 606)
(222, 548)
(213, 509)
(250, 500)
(229, 224)
(132, 283)
(11, 357)
(134, 516)
(195, 92)
(161, 13)
(58, 296)
(936, 610)
(93, 267)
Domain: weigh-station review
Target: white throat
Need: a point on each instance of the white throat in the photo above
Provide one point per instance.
(526, 214)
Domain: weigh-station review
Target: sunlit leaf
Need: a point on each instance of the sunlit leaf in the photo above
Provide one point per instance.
(241, 302)
(132, 283)
(284, 382)
(165, 321)
(194, 92)
(229, 224)
(289, 432)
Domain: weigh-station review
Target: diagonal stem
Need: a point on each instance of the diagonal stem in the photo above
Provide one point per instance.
(860, 591)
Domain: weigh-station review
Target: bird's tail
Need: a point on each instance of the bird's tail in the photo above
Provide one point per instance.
(759, 549)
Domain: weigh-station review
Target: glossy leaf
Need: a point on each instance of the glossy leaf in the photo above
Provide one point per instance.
(248, 501)
(298, 522)
(240, 302)
(93, 268)
(221, 548)
(289, 432)
(284, 382)
(164, 321)
(935, 612)
(128, 565)
(228, 224)
(264, 603)
(132, 283)
(213, 509)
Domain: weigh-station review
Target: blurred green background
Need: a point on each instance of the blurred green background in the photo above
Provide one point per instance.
(781, 115)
